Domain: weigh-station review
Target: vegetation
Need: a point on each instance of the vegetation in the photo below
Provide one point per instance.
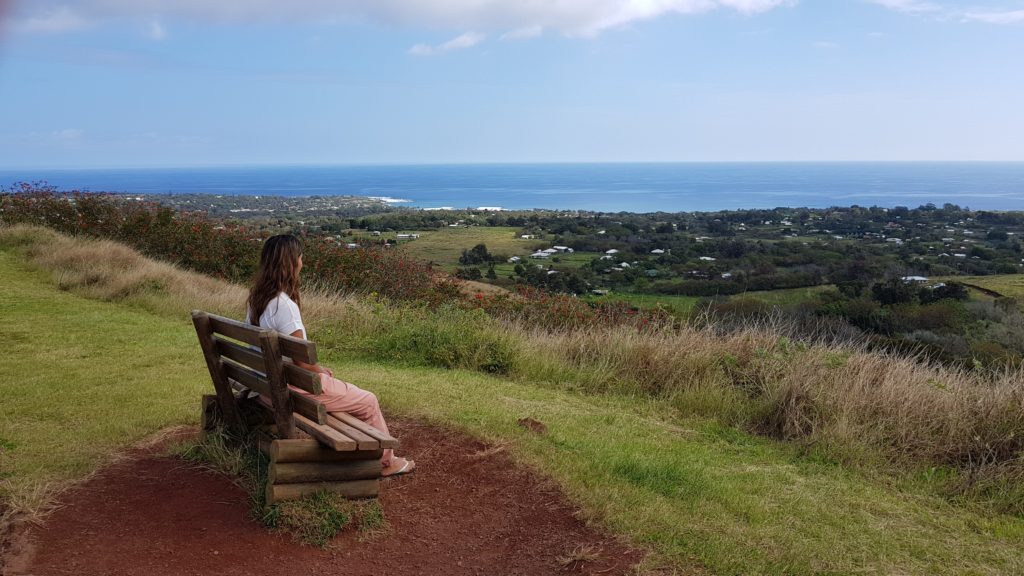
(912, 392)
(221, 249)
(313, 520)
(69, 359)
(655, 465)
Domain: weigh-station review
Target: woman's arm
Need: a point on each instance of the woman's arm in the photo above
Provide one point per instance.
(310, 367)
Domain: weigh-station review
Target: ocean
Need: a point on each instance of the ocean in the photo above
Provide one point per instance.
(634, 187)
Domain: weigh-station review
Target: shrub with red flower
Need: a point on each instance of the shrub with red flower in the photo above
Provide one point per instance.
(231, 251)
(222, 249)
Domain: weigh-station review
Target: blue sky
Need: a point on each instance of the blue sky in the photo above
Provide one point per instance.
(126, 83)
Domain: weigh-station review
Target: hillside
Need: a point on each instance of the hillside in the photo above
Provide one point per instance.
(695, 491)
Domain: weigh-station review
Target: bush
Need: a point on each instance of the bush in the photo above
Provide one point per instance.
(224, 250)
(447, 337)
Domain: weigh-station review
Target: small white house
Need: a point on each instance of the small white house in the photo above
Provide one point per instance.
(657, 251)
(727, 275)
(611, 251)
(408, 236)
(540, 255)
(959, 255)
(351, 246)
(606, 257)
(707, 258)
(527, 236)
(514, 259)
(914, 279)
(625, 265)
(551, 251)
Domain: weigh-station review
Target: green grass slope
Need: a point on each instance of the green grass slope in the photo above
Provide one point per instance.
(83, 378)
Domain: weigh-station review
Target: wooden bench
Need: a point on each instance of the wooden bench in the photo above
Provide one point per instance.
(309, 449)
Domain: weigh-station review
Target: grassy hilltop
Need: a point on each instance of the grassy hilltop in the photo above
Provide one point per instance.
(665, 458)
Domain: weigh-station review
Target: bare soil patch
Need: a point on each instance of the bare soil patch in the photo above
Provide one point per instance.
(467, 509)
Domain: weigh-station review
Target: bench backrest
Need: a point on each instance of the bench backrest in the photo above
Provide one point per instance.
(239, 356)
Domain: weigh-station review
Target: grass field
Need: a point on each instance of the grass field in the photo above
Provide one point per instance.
(678, 305)
(85, 378)
(1011, 285)
(444, 246)
(80, 380)
(683, 304)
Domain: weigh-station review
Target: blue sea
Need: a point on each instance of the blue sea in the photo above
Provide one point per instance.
(670, 187)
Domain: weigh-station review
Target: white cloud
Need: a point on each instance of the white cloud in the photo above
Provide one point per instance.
(1004, 17)
(513, 17)
(523, 33)
(943, 11)
(458, 43)
(54, 20)
(156, 30)
(909, 6)
(68, 135)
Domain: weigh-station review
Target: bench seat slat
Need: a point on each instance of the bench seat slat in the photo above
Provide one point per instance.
(325, 434)
(386, 440)
(363, 441)
(309, 450)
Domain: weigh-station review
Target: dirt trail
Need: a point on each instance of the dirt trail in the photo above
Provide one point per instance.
(466, 510)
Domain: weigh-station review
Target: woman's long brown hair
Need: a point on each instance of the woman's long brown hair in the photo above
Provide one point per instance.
(278, 272)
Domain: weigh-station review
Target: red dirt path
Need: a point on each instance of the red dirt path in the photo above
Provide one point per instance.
(467, 510)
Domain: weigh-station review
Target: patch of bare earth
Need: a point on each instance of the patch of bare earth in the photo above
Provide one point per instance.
(468, 509)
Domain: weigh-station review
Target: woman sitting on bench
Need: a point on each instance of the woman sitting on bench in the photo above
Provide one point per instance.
(274, 300)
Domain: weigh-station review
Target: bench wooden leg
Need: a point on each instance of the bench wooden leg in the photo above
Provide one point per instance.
(210, 416)
(299, 467)
(351, 489)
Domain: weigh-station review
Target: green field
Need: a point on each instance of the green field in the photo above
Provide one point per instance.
(678, 305)
(83, 379)
(1011, 285)
(683, 304)
(444, 246)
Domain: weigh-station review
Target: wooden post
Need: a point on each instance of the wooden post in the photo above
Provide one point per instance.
(302, 472)
(279, 396)
(350, 489)
(225, 397)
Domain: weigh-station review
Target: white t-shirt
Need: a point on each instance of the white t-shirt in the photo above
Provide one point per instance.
(281, 314)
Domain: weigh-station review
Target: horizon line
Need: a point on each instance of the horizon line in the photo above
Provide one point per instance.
(488, 163)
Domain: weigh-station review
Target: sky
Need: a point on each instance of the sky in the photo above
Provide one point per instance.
(155, 83)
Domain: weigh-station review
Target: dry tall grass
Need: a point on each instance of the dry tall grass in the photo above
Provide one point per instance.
(106, 270)
(840, 399)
